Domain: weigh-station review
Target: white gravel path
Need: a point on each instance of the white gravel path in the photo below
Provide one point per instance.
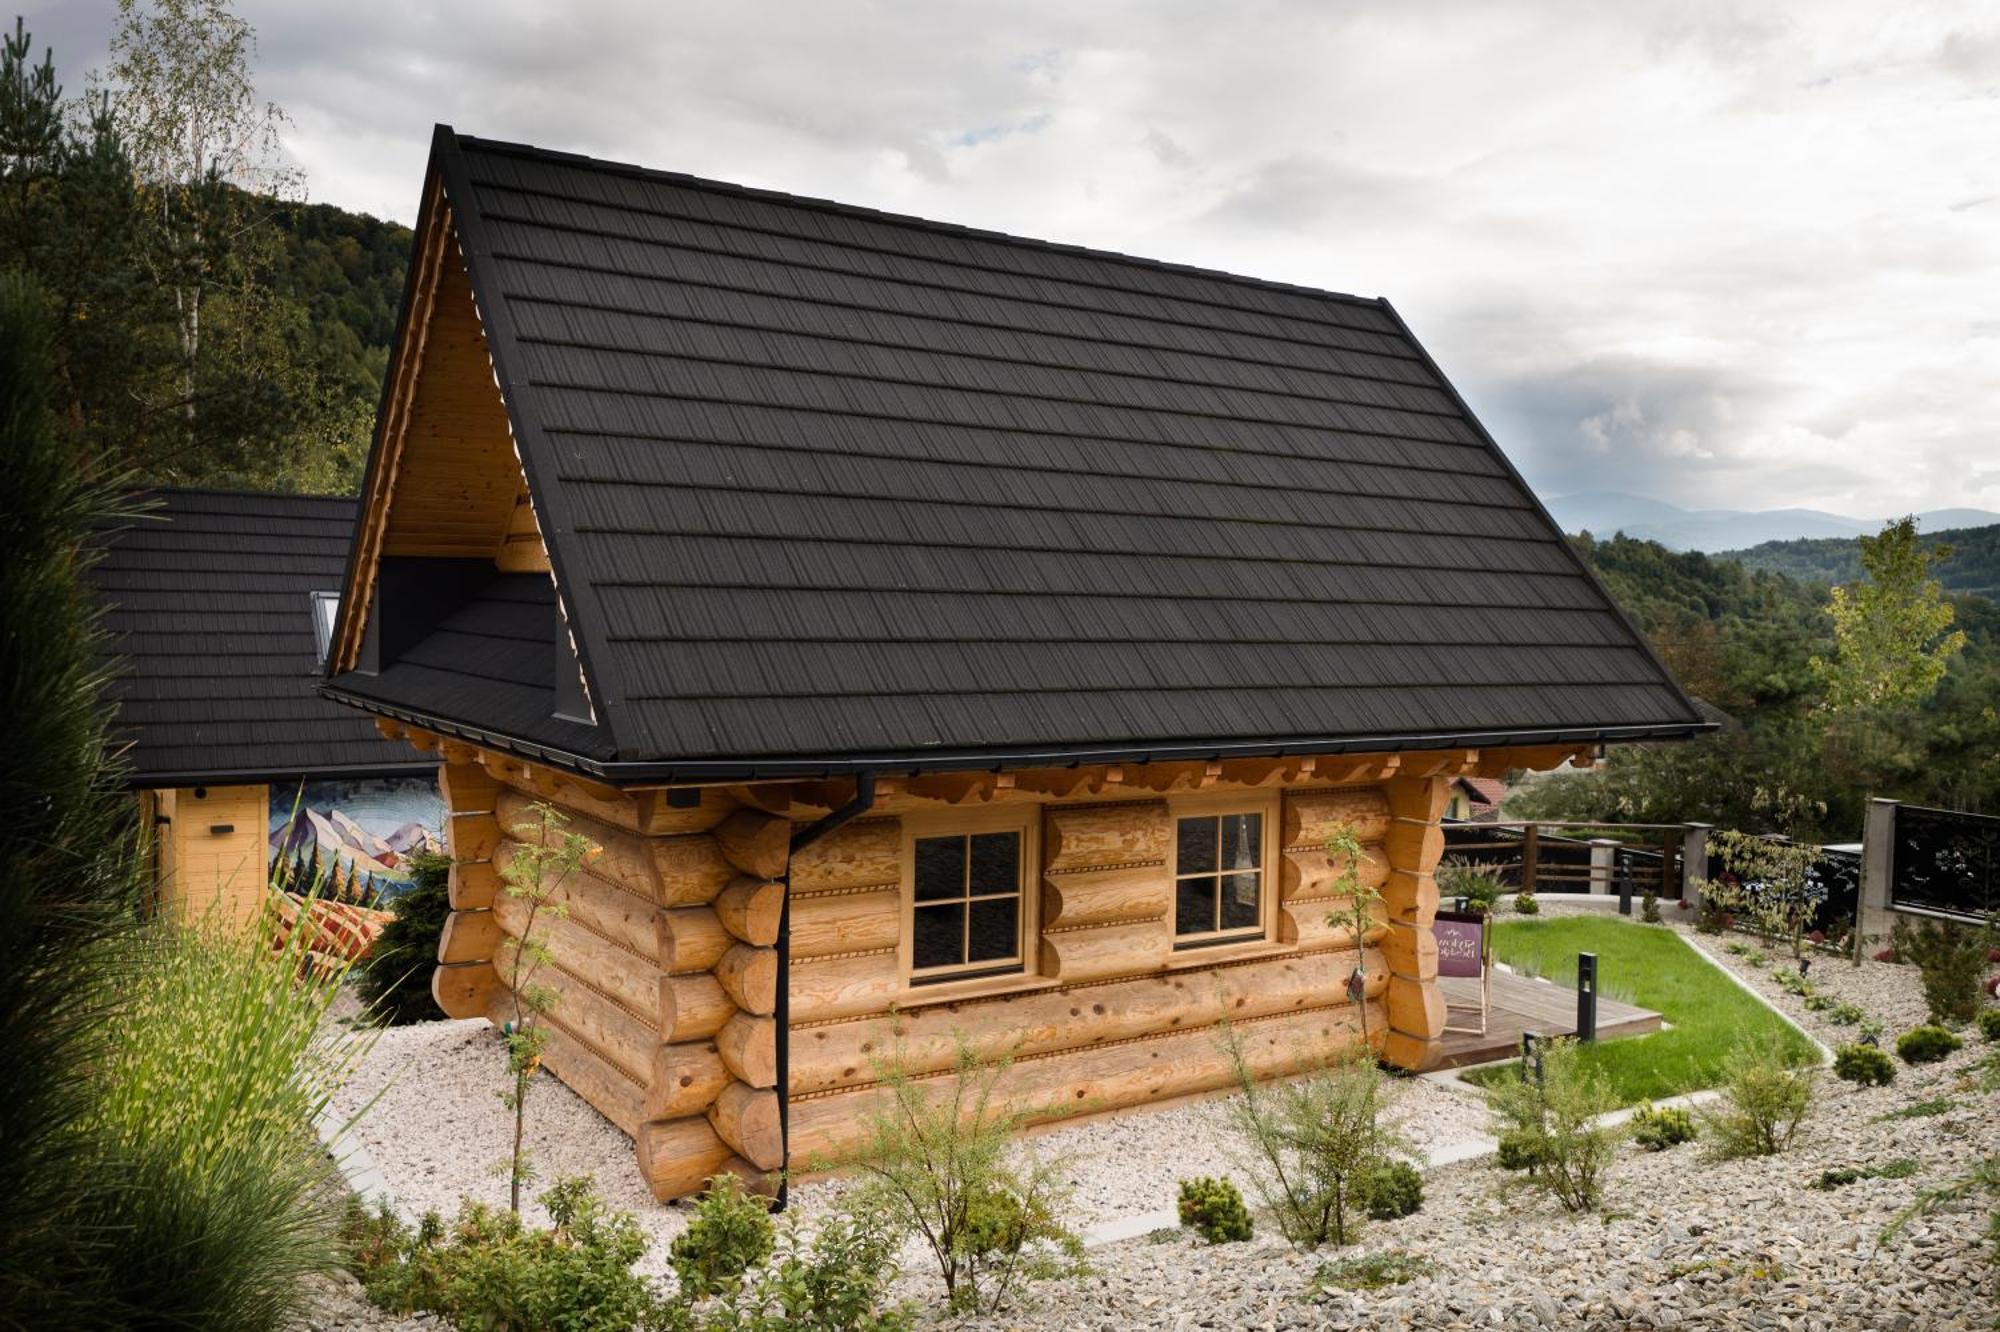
(1686, 1243)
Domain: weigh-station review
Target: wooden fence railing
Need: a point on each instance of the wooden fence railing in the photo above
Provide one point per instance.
(1572, 857)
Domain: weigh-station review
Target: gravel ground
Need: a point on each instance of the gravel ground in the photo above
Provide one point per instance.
(1685, 1243)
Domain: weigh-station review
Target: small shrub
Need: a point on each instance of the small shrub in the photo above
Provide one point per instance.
(1926, 1045)
(730, 1233)
(1392, 1190)
(1841, 1176)
(1791, 982)
(1658, 1128)
(1520, 1150)
(1993, 987)
(1374, 1271)
(1952, 961)
(1649, 907)
(1871, 1030)
(1847, 1015)
(1920, 1110)
(1756, 958)
(1556, 1123)
(1765, 1097)
(489, 1271)
(1736, 948)
(1213, 1209)
(839, 1281)
(1866, 1064)
(1526, 905)
(938, 1167)
(1818, 1003)
(1712, 917)
(1989, 1023)
(1311, 1144)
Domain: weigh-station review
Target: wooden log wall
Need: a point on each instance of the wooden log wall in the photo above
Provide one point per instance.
(665, 965)
(662, 960)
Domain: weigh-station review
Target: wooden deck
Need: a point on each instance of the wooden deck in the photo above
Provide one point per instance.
(1519, 1005)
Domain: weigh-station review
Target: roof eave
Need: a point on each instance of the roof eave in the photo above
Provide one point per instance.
(693, 771)
(160, 781)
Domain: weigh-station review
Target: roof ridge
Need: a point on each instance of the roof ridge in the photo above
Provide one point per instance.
(834, 206)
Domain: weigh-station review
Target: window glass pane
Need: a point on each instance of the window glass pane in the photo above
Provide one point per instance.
(1196, 851)
(937, 936)
(995, 929)
(940, 868)
(1242, 840)
(996, 863)
(1194, 906)
(1239, 901)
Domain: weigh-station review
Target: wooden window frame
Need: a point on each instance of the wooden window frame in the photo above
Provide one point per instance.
(1268, 805)
(1025, 820)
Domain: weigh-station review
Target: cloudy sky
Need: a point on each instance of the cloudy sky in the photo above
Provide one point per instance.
(1741, 255)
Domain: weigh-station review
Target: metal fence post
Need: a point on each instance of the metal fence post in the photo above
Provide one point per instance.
(1586, 996)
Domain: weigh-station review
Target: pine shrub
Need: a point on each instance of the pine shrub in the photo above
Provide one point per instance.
(1661, 1127)
(1393, 1189)
(1926, 1044)
(1213, 1209)
(1989, 1023)
(1526, 905)
(396, 979)
(1951, 958)
(1649, 907)
(1868, 1065)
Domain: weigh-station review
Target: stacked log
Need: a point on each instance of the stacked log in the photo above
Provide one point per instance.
(1107, 1076)
(847, 922)
(464, 980)
(1413, 844)
(1309, 878)
(1106, 894)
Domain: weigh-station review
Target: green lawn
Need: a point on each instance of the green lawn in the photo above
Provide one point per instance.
(1652, 968)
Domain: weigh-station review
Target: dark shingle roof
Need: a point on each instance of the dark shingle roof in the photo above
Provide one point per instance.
(209, 606)
(820, 482)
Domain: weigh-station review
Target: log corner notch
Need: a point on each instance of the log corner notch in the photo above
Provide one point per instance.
(465, 983)
(1412, 845)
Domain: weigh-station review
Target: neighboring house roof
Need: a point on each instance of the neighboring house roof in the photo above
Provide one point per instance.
(1486, 791)
(827, 489)
(210, 611)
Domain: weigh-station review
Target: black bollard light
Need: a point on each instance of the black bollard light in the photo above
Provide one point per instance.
(1586, 996)
(1625, 889)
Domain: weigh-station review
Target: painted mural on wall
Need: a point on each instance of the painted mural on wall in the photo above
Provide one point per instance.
(354, 838)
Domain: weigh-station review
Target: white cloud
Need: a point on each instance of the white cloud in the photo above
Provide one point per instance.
(1716, 252)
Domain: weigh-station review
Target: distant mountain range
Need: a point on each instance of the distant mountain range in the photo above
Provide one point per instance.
(1604, 513)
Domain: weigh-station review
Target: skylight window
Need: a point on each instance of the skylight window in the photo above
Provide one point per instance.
(325, 610)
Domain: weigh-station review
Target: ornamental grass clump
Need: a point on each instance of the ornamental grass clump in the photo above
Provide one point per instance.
(1767, 1092)
(1213, 1209)
(938, 1164)
(1551, 1126)
(1312, 1144)
(226, 1060)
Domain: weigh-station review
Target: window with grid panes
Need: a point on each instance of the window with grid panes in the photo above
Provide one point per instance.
(1218, 877)
(966, 904)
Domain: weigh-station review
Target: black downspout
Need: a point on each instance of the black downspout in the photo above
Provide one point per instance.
(864, 800)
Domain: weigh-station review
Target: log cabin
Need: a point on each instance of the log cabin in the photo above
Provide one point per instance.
(218, 610)
(940, 633)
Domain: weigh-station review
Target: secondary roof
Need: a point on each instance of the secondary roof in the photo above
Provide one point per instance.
(827, 488)
(210, 608)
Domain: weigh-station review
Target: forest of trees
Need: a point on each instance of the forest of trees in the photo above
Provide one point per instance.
(1791, 757)
(211, 327)
(1973, 566)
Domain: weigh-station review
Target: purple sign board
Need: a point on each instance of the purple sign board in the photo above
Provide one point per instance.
(1460, 939)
